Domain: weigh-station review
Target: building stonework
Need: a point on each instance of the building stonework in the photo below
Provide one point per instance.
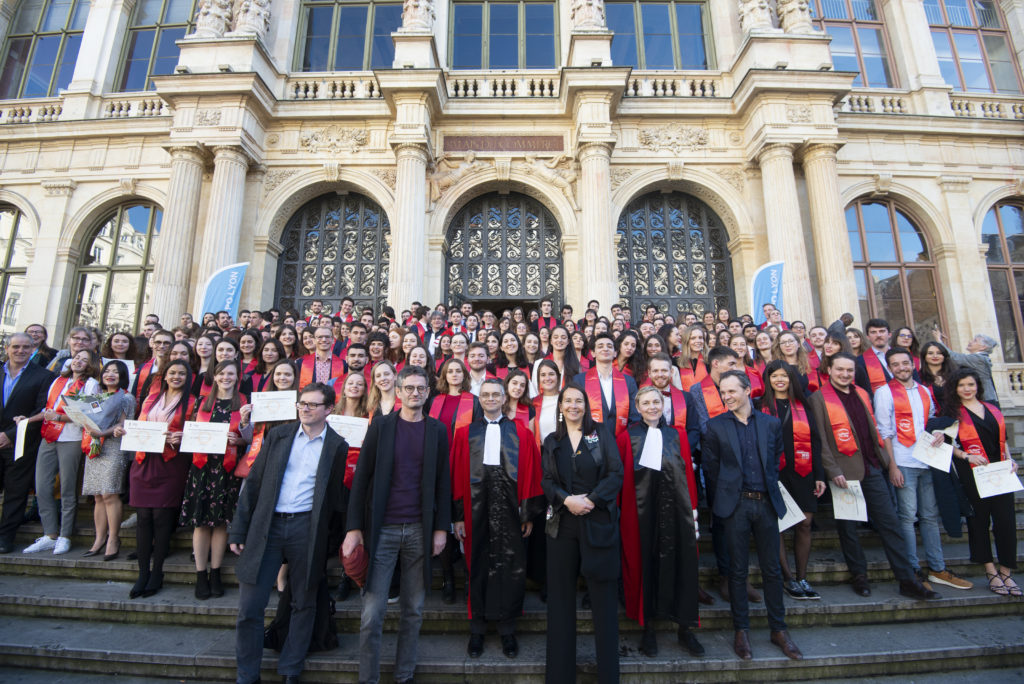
(774, 142)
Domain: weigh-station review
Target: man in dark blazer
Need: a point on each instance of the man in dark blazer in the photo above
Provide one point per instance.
(24, 394)
(741, 452)
(284, 511)
(400, 507)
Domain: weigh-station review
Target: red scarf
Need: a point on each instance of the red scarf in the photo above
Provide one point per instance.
(174, 425)
(904, 414)
(876, 373)
(307, 370)
(231, 454)
(689, 377)
(968, 433)
(712, 399)
(801, 440)
(51, 430)
(592, 385)
(840, 421)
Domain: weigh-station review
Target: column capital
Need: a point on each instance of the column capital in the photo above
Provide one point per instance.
(411, 150)
(187, 153)
(775, 150)
(594, 148)
(814, 151)
(230, 153)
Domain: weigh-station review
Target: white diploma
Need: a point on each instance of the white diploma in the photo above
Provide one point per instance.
(849, 504)
(351, 428)
(793, 513)
(270, 406)
(937, 457)
(19, 439)
(79, 412)
(995, 479)
(204, 438)
(650, 456)
(144, 435)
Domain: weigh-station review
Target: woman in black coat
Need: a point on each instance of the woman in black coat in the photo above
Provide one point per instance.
(582, 476)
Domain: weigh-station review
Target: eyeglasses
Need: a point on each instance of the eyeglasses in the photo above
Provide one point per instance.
(415, 389)
(163, 343)
(309, 405)
(78, 338)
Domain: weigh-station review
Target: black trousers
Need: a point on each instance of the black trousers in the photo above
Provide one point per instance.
(998, 513)
(16, 479)
(563, 572)
(754, 518)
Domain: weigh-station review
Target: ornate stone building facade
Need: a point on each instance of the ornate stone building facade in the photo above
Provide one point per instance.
(499, 151)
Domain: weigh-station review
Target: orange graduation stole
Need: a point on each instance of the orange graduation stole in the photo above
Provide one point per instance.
(231, 454)
(712, 399)
(876, 374)
(175, 424)
(259, 433)
(904, 414)
(307, 370)
(689, 377)
(840, 422)
(620, 394)
(801, 440)
(968, 433)
(51, 430)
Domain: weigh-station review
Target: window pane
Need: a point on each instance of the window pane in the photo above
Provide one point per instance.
(654, 20)
(1004, 305)
(19, 250)
(690, 25)
(386, 20)
(102, 245)
(140, 47)
(933, 12)
(912, 242)
(986, 14)
(889, 296)
(80, 16)
(540, 36)
(348, 55)
(834, 9)
(878, 232)
(467, 29)
(318, 37)
(1012, 217)
(621, 20)
(853, 232)
(66, 70)
(14, 67)
(56, 15)
(876, 62)
(1000, 60)
(167, 52)
(924, 302)
(154, 237)
(178, 11)
(958, 14)
(124, 297)
(1011, 342)
(131, 241)
(40, 69)
(968, 52)
(990, 237)
(89, 305)
(148, 14)
(947, 63)
(844, 51)
(504, 36)
(860, 277)
(28, 16)
(12, 304)
(864, 10)
(8, 223)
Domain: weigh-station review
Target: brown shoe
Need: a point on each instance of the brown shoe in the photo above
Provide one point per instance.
(723, 588)
(742, 645)
(782, 640)
(753, 595)
(704, 597)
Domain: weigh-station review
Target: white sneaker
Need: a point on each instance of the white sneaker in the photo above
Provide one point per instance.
(63, 545)
(131, 522)
(44, 543)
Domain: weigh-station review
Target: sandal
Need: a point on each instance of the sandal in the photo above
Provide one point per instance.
(1011, 587)
(999, 589)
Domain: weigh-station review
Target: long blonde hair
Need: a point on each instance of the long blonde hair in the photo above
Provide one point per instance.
(373, 395)
(685, 362)
(802, 363)
(342, 401)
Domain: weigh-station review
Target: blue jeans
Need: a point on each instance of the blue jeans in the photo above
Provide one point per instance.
(916, 499)
(396, 543)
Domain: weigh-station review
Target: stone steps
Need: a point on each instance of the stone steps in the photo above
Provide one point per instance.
(207, 654)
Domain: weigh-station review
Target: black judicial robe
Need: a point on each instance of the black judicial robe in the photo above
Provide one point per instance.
(659, 542)
(494, 502)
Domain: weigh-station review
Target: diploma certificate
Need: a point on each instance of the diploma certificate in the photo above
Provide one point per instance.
(849, 504)
(144, 435)
(204, 438)
(19, 439)
(352, 429)
(995, 479)
(271, 406)
(793, 513)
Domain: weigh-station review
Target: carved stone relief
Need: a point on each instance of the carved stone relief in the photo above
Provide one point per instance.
(588, 15)
(674, 137)
(333, 139)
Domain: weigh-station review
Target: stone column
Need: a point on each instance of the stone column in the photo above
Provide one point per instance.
(785, 230)
(222, 230)
(172, 270)
(409, 235)
(98, 56)
(836, 287)
(597, 243)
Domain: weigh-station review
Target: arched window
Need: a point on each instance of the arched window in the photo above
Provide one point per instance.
(892, 266)
(347, 36)
(858, 39)
(41, 48)
(13, 262)
(151, 49)
(1003, 232)
(112, 282)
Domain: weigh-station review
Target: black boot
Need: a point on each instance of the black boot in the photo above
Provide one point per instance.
(448, 586)
(344, 589)
(202, 585)
(216, 586)
(155, 583)
(649, 642)
(140, 584)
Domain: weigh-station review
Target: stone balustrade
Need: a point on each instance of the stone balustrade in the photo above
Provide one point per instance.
(464, 85)
(347, 86)
(987, 106)
(677, 84)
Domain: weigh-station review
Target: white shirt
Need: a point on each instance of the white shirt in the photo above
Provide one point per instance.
(475, 383)
(885, 419)
(492, 442)
(548, 416)
(881, 357)
(296, 494)
(606, 388)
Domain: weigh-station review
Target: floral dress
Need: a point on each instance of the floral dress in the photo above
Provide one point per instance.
(211, 492)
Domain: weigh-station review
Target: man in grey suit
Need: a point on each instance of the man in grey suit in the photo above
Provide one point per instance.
(978, 358)
(284, 509)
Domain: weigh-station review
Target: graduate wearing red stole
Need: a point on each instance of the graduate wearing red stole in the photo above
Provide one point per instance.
(622, 411)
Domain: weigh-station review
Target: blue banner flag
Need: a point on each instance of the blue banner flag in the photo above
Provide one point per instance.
(766, 288)
(224, 288)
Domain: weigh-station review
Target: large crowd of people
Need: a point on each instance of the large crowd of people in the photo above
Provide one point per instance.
(516, 447)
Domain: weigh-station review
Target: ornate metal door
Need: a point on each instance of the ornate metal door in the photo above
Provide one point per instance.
(672, 253)
(503, 247)
(335, 245)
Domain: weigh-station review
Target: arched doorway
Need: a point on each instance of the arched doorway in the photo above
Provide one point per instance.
(335, 245)
(503, 249)
(672, 253)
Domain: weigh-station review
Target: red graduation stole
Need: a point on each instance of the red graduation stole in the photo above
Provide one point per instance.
(174, 425)
(250, 367)
(231, 454)
(307, 369)
(538, 404)
(523, 416)
(840, 422)
(756, 382)
(259, 432)
(801, 440)
(904, 414)
(144, 372)
(463, 412)
(712, 399)
(968, 434)
(351, 460)
(51, 430)
(689, 377)
(876, 374)
(621, 395)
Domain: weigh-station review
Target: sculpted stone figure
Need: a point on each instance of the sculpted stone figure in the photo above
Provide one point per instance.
(447, 173)
(562, 179)
(795, 16)
(417, 15)
(253, 17)
(588, 15)
(213, 18)
(754, 15)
